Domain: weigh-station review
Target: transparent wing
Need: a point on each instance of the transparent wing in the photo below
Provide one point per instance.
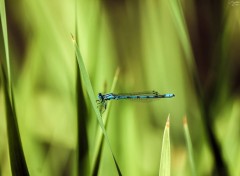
(145, 93)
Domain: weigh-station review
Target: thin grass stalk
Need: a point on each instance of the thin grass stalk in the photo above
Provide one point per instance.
(87, 83)
(17, 159)
(100, 137)
(165, 162)
(204, 100)
(189, 146)
(83, 148)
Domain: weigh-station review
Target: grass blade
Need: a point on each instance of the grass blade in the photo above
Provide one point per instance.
(17, 160)
(83, 147)
(5, 39)
(180, 23)
(189, 146)
(100, 137)
(87, 83)
(165, 162)
(83, 162)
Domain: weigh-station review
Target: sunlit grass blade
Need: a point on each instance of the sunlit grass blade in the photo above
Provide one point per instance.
(165, 161)
(100, 137)
(17, 160)
(87, 83)
(189, 146)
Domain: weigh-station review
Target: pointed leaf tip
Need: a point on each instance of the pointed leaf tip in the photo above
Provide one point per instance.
(185, 120)
(168, 122)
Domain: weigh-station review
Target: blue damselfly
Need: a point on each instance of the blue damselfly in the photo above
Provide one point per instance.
(103, 98)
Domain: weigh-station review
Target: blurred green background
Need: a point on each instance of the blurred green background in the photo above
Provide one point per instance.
(188, 48)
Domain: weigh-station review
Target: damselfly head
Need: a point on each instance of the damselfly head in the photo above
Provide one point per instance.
(100, 97)
(101, 103)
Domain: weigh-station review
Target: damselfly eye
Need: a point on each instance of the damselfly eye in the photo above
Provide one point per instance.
(100, 97)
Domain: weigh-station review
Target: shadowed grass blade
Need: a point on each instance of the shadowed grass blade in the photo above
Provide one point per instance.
(87, 83)
(180, 23)
(5, 39)
(83, 147)
(165, 162)
(17, 160)
(83, 160)
(189, 146)
(100, 137)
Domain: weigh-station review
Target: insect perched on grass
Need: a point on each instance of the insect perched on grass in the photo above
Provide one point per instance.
(103, 98)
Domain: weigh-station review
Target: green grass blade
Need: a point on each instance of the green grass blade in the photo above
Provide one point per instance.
(165, 162)
(100, 137)
(0, 169)
(180, 23)
(17, 160)
(87, 83)
(5, 40)
(83, 161)
(83, 146)
(189, 146)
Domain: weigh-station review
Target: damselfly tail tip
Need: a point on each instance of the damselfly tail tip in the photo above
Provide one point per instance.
(169, 95)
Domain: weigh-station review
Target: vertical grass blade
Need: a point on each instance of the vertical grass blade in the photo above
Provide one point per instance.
(5, 40)
(83, 160)
(165, 161)
(189, 146)
(100, 137)
(83, 148)
(87, 83)
(17, 160)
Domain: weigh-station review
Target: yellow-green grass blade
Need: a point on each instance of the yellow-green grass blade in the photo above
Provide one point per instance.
(165, 161)
(180, 23)
(87, 83)
(5, 40)
(17, 159)
(100, 137)
(83, 146)
(189, 146)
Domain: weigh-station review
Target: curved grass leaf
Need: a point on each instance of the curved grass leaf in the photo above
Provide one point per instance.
(189, 146)
(100, 137)
(165, 162)
(87, 83)
(17, 159)
(5, 39)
